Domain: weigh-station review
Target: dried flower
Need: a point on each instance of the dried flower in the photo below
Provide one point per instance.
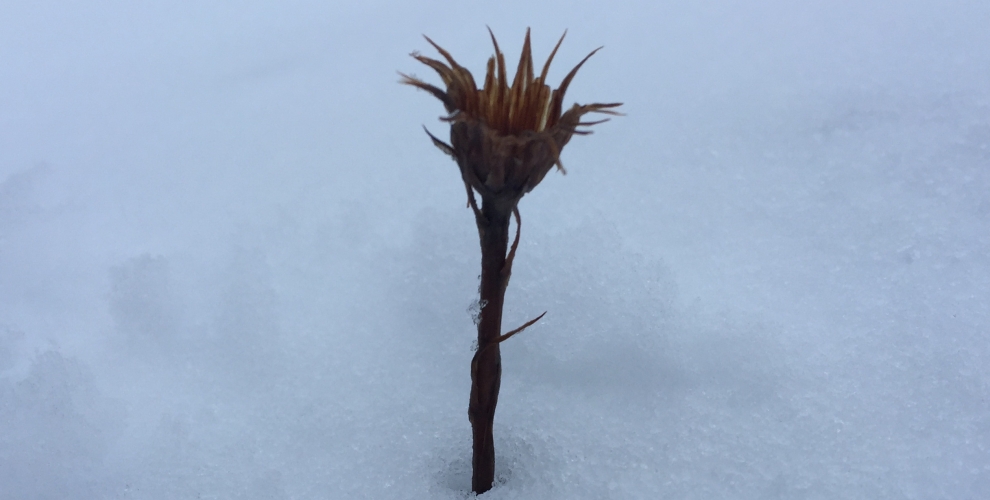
(505, 138)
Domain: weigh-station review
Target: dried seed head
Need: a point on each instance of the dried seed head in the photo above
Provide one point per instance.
(505, 138)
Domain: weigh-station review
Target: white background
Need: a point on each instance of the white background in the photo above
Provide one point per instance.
(233, 266)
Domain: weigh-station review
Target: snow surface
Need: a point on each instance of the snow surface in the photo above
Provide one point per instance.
(233, 266)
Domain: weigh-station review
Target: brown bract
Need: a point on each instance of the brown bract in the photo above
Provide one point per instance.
(505, 138)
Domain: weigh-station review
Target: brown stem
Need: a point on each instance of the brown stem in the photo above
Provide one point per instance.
(486, 366)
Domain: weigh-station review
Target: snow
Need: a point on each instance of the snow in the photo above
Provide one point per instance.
(233, 266)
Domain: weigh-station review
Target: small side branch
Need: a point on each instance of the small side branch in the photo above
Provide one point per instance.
(507, 267)
(504, 337)
(528, 324)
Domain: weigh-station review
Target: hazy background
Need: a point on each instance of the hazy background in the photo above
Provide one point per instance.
(233, 266)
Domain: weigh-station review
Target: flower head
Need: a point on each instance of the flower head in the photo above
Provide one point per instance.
(505, 138)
